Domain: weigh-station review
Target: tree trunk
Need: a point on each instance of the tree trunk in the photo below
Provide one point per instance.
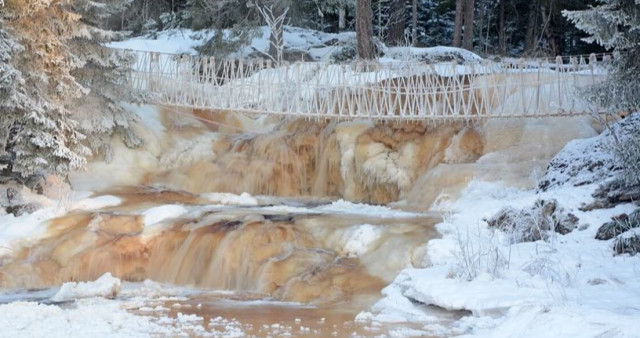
(530, 34)
(414, 23)
(548, 30)
(342, 18)
(380, 30)
(396, 22)
(502, 34)
(364, 29)
(457, 29)
(468, 24)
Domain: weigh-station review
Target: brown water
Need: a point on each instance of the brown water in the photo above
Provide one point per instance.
(264, 319)
(334, 262)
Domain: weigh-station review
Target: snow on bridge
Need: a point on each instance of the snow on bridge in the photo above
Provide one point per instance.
(378, 91)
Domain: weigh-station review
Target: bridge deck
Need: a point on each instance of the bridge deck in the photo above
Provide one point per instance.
(391, 91)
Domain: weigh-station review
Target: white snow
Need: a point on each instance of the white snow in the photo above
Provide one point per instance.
(95, 203)
(179, 41)
(106, 286)
(231, 199)
(431, 54)
(156, 215)
(96, 316)
(342, 206)
(91, 318)
(16, 232)
(24, 229)
(513, 289)
(318, 45)
(358, 239)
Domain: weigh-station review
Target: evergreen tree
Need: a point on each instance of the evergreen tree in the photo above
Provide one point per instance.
(99, 70)
(37, 133)
(615, 24)
(57, 87)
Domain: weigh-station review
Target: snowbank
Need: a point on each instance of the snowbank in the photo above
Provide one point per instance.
(177, 41)
(432, 54)
(106, 286)
(568, 285)
(588, 160)
(485, 295)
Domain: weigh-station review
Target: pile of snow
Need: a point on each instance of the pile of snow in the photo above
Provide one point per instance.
(231, 199)
(432, 54)
(156, 215)
(359, 239)
(106, 286)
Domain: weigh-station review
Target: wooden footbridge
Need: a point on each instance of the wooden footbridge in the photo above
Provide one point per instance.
(378, 91)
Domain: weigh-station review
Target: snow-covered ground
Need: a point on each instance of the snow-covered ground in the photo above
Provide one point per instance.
(108, 308)
(567, 286)
(316, 45)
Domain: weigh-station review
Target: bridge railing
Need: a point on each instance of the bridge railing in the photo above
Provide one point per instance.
(386, 91)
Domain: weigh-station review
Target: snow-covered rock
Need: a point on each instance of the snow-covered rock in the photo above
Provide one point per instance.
(590, 160)
(106, 286)
(358, 239)
(432, 54)
(156, 215)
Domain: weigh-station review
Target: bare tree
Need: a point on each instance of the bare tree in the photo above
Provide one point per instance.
(396, 22)
(274, 16)
(502, 34)
(342, 18)
(548, 28)
(364, 29)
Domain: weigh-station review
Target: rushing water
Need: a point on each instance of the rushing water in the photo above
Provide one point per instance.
(331, 260)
